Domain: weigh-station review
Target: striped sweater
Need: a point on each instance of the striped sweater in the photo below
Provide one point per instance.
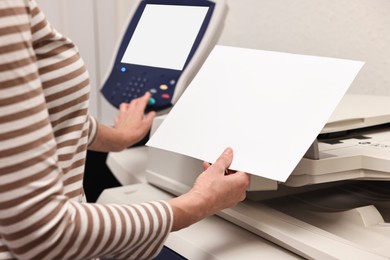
(45, 130)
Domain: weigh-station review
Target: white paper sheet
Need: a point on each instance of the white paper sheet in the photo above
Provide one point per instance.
(268, 106)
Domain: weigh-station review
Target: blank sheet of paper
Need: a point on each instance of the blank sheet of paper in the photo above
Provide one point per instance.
(268, 106)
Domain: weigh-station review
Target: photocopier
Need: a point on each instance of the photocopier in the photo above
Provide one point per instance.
(334, 205)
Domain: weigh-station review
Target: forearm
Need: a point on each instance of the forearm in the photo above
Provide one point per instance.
(107, 139)
(187, 210)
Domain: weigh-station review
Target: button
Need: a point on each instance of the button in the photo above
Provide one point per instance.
(153, 90)
(165, 96)
(152, 101)
(172, 82)
(163, 87)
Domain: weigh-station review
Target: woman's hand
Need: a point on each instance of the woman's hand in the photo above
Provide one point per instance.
(213, 191)
(131, 123)
(131, 126)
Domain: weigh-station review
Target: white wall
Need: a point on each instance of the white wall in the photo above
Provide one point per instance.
(351, 29)
(111, 23)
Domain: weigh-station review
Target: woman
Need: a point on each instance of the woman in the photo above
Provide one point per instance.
(45, 131)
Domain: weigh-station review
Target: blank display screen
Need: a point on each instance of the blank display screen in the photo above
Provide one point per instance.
(165, 35)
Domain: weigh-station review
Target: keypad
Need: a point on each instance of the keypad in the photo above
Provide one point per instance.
(131, 89)
(129, 82)
(137, 86)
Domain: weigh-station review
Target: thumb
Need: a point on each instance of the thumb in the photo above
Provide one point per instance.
(149, 117)
(224, 160)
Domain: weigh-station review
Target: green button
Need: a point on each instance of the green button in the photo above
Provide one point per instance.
(152, 101)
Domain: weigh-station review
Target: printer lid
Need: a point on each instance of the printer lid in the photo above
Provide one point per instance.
(359, 111)
(338, 156)
(355, 144)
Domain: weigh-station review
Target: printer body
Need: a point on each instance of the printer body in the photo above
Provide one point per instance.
(334, 205)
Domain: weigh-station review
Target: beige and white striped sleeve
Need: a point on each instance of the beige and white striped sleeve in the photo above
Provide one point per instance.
(44, 129)
(93, 129)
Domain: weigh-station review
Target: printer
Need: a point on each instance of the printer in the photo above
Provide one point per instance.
(334, 205)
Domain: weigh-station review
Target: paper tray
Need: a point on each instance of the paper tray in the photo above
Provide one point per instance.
(357, 212)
